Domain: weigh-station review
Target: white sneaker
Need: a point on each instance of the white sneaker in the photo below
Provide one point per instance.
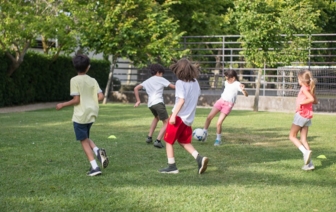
(308, 167)
(307, 156)
(205, 136)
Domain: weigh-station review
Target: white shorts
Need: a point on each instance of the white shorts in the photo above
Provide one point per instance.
(301, 121)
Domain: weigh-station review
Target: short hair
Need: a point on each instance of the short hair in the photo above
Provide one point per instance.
(156, 68)
(231, 74)
(81, 62)
(185, 70)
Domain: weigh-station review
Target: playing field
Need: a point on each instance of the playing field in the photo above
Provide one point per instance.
(43, 168)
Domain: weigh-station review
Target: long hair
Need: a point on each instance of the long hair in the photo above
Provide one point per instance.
(185, 70)
(307, 77)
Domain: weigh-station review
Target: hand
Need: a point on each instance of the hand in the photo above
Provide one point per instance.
(172, 120)
(137, 104)
(242, 86)
(59, 106)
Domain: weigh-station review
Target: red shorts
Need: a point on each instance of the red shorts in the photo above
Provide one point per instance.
(224, 106)
(178, 131)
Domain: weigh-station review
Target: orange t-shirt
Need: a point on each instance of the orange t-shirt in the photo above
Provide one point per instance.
(306, 110)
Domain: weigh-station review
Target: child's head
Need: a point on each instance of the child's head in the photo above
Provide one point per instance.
(81, 63)
(185, 70)
(156, 68)
(305, 77)
(231, 74)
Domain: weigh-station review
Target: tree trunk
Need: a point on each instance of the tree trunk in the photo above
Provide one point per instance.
(110, 80)
(256, 96)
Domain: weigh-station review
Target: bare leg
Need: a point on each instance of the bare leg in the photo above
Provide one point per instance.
(163, 129)
(293, 135)
(87, 149)
(189, 147)
(303, 137)
(169, 150)
(153, 126)
(211, 115)
(220, 120)
(92, 144)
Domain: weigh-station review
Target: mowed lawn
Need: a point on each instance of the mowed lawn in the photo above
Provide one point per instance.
(43, 168)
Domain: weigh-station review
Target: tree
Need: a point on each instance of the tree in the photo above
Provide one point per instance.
(139, 30)
(24, 21)
(268, 31)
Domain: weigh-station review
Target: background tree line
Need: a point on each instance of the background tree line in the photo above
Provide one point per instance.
(150, 31)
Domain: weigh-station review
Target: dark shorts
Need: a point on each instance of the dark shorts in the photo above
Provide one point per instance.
(159, 110)
(178, 131)
(82, 131)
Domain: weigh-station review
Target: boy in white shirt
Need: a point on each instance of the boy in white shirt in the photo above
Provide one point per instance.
(154, 88)
(179, 126)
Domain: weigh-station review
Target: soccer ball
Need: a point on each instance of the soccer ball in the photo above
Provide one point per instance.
(198, 134)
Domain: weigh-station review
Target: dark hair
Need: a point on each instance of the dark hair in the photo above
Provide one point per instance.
(185, 70)
(81, 62)
(231, 74)
(156, 68)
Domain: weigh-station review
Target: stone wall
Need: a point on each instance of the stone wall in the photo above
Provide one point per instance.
(207, 99)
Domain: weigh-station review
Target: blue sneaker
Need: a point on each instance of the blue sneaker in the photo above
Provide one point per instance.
(217, 143)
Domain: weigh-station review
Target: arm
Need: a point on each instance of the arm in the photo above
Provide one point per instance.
(309, 98)
(176, 110)
(171, 86)
(315, 100)
(74, 101)
(242, 86)
(100, 96)
(136, 93)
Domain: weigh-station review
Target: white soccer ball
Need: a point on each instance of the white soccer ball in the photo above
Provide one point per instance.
(198, 134)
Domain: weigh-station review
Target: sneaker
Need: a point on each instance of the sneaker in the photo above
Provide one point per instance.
(217, 143)
(158, 144)
(205, 136)
(102, 157)
(94, 172)
(202, 164)
(171, 169)
(308, 167)
(307, 156)
(149, 140)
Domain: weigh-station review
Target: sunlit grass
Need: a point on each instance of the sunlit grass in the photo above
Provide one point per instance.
(43, 167)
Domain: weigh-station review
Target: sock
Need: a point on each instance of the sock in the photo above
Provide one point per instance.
(171, 160)
(195, 154)
(302, 149)
(94, 164)
(149, 136)
(205, 130)
(218, 137)
(95, 150)
(158, 140)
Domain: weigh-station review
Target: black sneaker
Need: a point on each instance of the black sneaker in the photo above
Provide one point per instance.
(171, 169)
(158, 144)
(202, 164)
(149, 140)
(102, 157)
(94, 172)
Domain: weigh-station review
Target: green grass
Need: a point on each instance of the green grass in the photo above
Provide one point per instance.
(43, 168)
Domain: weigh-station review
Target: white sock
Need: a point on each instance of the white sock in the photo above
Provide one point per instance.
(171, 160)
(205, 130)
(302, 149)
(195, 154)
(95, 150)
(94, 164)
(218, 137)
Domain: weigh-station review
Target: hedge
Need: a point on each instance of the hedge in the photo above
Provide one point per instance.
(38, 79)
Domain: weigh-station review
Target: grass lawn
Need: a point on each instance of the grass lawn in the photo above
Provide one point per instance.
(43, 168)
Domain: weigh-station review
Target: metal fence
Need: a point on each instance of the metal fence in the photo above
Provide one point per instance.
(216, 54)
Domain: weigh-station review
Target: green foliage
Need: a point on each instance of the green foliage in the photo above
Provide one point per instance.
(40, 79)
(257, 169)
(268, 30)
(139, 30)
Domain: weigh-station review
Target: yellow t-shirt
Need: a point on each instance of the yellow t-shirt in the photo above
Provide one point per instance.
(87, 88)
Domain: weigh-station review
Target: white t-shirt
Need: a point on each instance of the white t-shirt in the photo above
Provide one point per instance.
(87, 88)
(189, 91)
(154, 88)
(231, 91)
